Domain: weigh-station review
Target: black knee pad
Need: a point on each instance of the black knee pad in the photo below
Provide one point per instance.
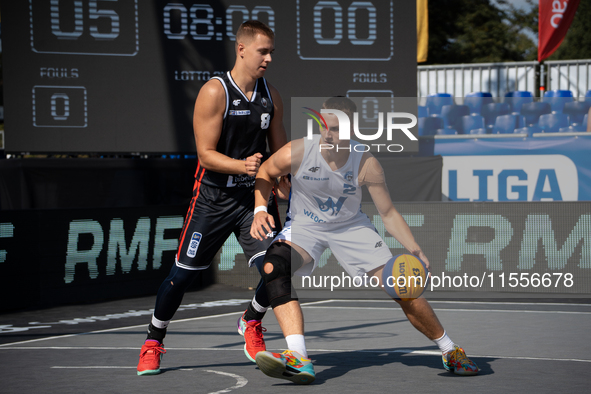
(278, 281)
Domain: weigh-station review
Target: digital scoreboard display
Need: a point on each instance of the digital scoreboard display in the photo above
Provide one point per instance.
(122, 76)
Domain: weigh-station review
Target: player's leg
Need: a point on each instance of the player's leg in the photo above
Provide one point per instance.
(421, 315)
(205, 230)
(281, 261)
(249, 324)
(361, 249)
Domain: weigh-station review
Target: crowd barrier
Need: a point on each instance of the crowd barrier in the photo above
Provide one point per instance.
(55, 257)
(88, 230)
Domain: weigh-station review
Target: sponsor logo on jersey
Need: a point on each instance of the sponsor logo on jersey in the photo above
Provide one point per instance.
(329, 204)
(378, 244)
(236, 102)
(242, 180)
(311, 178)
(349, 176)
(241, 112)
(195, 240)
(313, 216)
(264, 102)
(313, 169)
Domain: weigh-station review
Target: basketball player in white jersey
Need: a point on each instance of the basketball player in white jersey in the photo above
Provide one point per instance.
(326, 199)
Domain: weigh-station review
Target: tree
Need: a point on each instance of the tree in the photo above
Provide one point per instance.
(478, 31)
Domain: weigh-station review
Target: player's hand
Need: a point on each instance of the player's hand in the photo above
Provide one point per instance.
(252, 164)
(421, 255)
(283, 187)
(262, 224)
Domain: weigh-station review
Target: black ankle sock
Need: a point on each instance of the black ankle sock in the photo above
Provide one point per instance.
(252, 314)
(156, 333)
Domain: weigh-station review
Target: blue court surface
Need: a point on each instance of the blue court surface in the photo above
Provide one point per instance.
(356, 345)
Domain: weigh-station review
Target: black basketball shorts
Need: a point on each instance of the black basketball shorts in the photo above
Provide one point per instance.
(215, 213)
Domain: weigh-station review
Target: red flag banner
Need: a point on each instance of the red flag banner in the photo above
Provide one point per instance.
(554, 19)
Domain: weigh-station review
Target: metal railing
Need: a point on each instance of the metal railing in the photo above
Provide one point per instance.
(573, 75)
(461, 79)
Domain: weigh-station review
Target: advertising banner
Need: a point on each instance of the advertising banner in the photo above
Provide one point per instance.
(511, 169)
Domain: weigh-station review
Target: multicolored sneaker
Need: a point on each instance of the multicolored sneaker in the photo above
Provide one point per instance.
(252, 331)
(457, 362)
(150, 357)
(288, 365)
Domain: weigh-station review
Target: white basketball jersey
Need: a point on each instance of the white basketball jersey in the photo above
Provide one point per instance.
(321, 195)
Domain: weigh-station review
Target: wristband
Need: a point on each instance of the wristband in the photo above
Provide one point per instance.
(260, 208)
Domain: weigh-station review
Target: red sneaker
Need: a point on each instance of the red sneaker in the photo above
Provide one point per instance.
(150, 357)
(253, 337)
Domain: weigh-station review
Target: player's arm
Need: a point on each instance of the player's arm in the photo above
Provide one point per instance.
(276, 135)
(208, 118)
(371, 174)
(279, 164)
(277, 138)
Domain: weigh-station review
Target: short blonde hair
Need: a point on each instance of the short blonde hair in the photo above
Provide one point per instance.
(249, 29)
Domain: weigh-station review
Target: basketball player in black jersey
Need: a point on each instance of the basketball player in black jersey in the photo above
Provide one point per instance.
(235, 116)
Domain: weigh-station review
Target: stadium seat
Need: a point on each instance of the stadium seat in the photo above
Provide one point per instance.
(577, 128)
(435, 101)
(429, 125)
(529, 130)
(472, 124)
(533, 111)
(551, 123)
(576, 110)
(585, 121)
(452, 116)
(422, 111)
(506, 124)
(557, 99)
(476, 100)
(558, 93)
(588, 96)
(492, 110)
(517, 99)
(446, 131)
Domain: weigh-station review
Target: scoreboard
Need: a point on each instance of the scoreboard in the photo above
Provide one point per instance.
(122, 76)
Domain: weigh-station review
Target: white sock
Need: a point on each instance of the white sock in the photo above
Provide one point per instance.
(159, 323)
(297, 343)
(445, 344)
(258, 307)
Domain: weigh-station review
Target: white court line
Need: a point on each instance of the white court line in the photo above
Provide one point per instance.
(241, 381)
(447, 310)
(309, 305)
(91, 367)
(118, 329)
(136, 326)
(381, 351)
(460, 302)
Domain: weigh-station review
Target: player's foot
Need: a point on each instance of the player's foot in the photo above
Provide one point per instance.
(253, 337)
(150, 357)
(457, 362)
(288, 365)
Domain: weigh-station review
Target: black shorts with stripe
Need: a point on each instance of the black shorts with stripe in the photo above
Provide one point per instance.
(213, 215)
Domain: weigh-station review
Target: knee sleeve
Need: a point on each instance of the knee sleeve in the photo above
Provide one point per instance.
(171, 292)
(278, 281)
